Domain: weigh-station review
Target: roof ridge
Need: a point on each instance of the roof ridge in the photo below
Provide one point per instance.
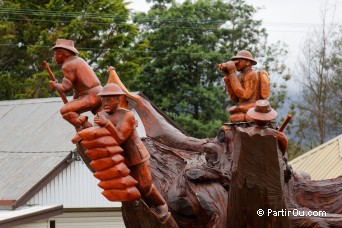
(34, 152)
(31, 101)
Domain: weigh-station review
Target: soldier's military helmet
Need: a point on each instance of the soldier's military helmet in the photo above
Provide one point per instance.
(262, 111)
(244, 55)
(111, 89)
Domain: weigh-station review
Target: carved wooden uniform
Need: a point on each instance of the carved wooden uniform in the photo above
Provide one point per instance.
(121, 124)
(246, 87)
(79, 77)
(243, 89)
(127, 137)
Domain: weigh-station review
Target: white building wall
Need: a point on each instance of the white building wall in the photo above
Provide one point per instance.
(36, 224)
(106, 219)
(89, 220)
(74, 187)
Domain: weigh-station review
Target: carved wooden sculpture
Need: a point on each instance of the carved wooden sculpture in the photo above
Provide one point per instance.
(218, 182)
(107, 160)
(258, 173)
(79, 77)
(195, 175)
(125, 176)
(244, 88)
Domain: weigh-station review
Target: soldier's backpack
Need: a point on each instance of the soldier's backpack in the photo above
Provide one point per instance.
(264, 84)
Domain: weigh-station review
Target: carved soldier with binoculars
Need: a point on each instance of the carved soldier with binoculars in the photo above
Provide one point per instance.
(246, 87)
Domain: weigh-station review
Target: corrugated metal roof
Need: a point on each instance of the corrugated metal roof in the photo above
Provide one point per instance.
(34, 125)
(21, 172)
(322, 162)
(34, 142)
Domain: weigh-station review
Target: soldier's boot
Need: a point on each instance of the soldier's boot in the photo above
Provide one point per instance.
(247, 118)
(237, 117)
(73, 118)
(159, 207)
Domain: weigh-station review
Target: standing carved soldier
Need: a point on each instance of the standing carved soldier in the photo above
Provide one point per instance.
(121, 124)
(262, 114)
(246, 87)
(79, 77)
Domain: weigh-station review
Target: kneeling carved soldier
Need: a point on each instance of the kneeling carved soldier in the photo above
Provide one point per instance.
(121, 124)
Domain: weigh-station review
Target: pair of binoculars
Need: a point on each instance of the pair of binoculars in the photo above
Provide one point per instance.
(224, 66)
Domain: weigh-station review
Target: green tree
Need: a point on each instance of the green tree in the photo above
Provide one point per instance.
(187, 41)
(28, 29)
(320, 107)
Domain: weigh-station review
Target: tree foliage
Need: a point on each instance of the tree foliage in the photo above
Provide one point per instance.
(186, 42)
(28, 29)
(320, 107)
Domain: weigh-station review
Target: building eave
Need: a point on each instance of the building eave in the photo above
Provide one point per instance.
(28, 215)
(13, 204)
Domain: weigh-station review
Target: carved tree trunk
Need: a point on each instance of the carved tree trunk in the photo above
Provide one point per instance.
(257, 182)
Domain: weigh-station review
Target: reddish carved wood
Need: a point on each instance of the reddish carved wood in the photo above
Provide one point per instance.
(108, 163)
(221, 182)
(246, 87)
(78, 77)
(195, 175)
(257, 180)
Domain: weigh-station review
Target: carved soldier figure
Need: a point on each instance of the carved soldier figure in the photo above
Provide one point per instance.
(121, 124)
(262, 114)
(79, 77)
(244, 88)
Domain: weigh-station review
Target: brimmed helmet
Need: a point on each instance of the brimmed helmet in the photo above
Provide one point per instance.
(244, 55)
(65, 44)
(262, 111)
(111, 89)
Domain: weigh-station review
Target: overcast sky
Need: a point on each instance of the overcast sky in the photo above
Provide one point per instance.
(289, 21)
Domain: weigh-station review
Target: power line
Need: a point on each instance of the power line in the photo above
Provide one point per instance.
(162, 26)
(59, 13)
(78, 22)
(196, 24)
(64, 14)
(110, 49)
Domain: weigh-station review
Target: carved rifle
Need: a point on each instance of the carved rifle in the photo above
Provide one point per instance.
(282, 127)
(52, 77)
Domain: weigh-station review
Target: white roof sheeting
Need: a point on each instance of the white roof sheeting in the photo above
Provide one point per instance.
(322, 162)
(34, 125)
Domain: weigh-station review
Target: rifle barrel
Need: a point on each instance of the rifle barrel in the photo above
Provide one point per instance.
(52, 77)
(288, 118)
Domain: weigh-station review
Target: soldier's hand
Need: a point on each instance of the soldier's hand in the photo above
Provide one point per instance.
(101, 120)
(53, 85)
(231, 67)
